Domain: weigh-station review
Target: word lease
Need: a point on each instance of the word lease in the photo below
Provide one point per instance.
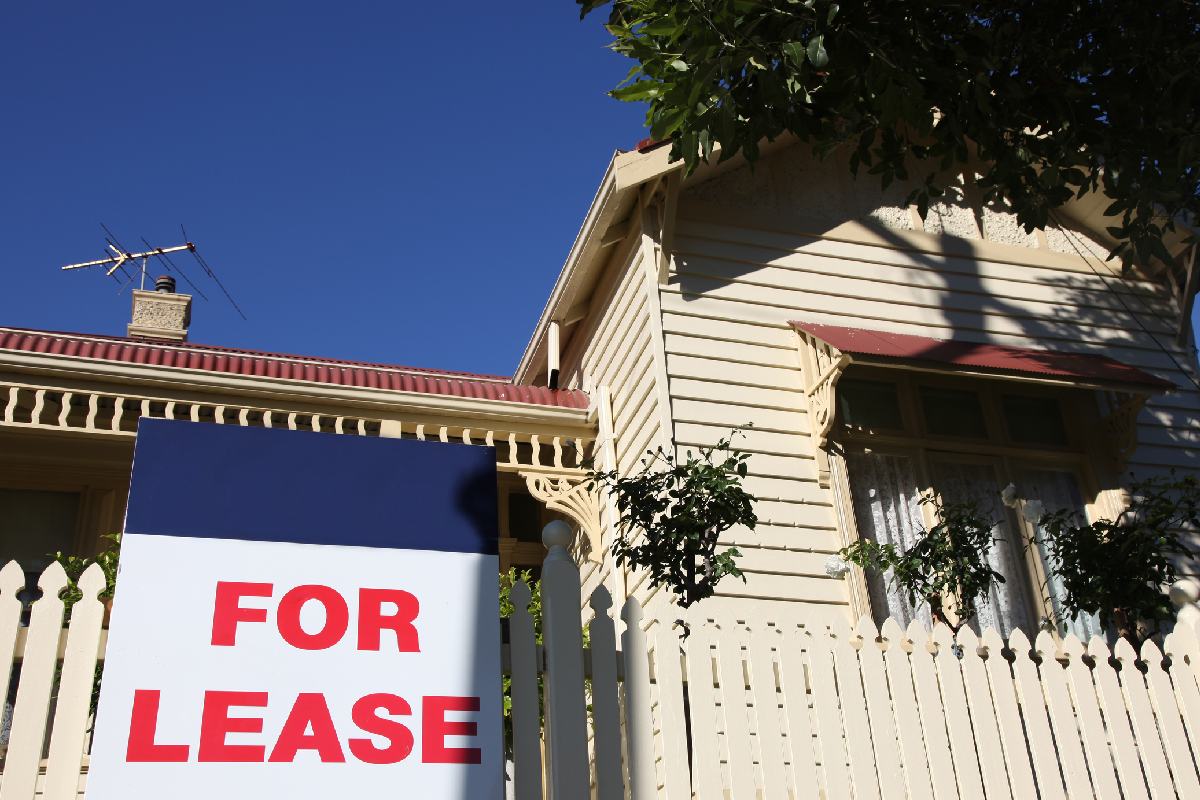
(309, 726)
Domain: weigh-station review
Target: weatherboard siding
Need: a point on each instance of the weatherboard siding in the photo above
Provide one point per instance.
(618, 351)
(737, 279)
(726, 372)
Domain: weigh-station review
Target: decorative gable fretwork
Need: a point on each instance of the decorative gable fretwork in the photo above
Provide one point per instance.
(822, 365)
(569, 493)
(1121, 424)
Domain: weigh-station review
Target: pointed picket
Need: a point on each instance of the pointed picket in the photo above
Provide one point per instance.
(1091, 726)
(668, 670)
(1008, 717)
(1037, 721)
(1062, 718)
(795, 705)
(829, 716)
(879, 712)
(733, 704)
(526, 718)
(958, 721)
(1117, 721)
(1178, 644)
(1170, 725)
(933, 714)
(75, 689)
(983, 716)
(766, 705)
(1137, 699)
(606, 710)
(33, 692)
(706, 754)
(907, 718)
(12, 580)
(854, 713)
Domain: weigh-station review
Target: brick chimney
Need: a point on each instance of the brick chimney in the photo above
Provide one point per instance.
(161, 314)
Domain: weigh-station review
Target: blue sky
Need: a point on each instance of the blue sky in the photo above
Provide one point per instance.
(389, 182)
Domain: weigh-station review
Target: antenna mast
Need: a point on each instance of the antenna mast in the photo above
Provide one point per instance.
(121, 257)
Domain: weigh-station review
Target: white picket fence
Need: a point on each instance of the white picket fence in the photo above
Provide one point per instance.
(38, 649)
(804, 707)
(790, 707)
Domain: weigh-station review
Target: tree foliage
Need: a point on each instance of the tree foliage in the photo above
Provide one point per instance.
(672, 515)
(1051, 99)
(1120, 570)
(949, 562)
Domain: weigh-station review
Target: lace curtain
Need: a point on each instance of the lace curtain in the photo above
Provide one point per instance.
(1005, 608)
(1058, 489)
(885, 494)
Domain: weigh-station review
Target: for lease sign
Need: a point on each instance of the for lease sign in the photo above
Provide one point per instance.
(304, 615)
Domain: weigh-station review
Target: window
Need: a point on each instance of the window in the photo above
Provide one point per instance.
(1034, 420)
(33, 526)
(869, 404)
(904, 433)
(953, 412)
(524, 518)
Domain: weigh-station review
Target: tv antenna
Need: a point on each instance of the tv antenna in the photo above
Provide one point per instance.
(120, 256)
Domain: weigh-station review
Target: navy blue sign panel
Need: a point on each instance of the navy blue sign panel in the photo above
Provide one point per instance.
(266, 484)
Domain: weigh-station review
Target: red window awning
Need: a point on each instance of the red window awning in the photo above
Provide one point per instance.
(1083, 369)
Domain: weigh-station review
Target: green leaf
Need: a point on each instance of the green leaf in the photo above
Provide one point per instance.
(816, 52)
(642, 90)
(794, 52)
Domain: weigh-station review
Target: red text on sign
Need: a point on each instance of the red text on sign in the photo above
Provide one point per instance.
(372, 619)
(310, 712)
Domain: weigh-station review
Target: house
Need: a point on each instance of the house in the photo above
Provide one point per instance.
(876, 357)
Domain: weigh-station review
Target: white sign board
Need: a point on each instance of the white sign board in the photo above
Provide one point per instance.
(291, 664)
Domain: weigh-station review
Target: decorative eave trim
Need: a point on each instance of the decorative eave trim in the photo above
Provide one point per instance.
(176, 378)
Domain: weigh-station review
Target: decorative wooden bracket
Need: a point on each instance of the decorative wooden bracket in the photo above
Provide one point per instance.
(569, 494)
(822, 365)
(1121, 424)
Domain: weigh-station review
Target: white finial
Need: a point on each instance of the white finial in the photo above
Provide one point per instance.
(1185, 593)
(557, 534)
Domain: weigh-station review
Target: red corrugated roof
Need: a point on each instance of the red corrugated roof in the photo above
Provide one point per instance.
(184, 355)
(1085, 366)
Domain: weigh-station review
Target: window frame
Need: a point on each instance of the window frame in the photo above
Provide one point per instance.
(999, 450)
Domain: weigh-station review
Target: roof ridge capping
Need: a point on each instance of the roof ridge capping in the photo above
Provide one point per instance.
(255, 353)
(1091, 369)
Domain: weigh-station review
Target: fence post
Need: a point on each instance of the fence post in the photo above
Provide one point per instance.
(606, 708)
(643, 783)
(562, 635)
(526, 724)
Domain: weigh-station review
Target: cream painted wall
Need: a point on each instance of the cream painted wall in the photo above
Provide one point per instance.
(754, 249)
